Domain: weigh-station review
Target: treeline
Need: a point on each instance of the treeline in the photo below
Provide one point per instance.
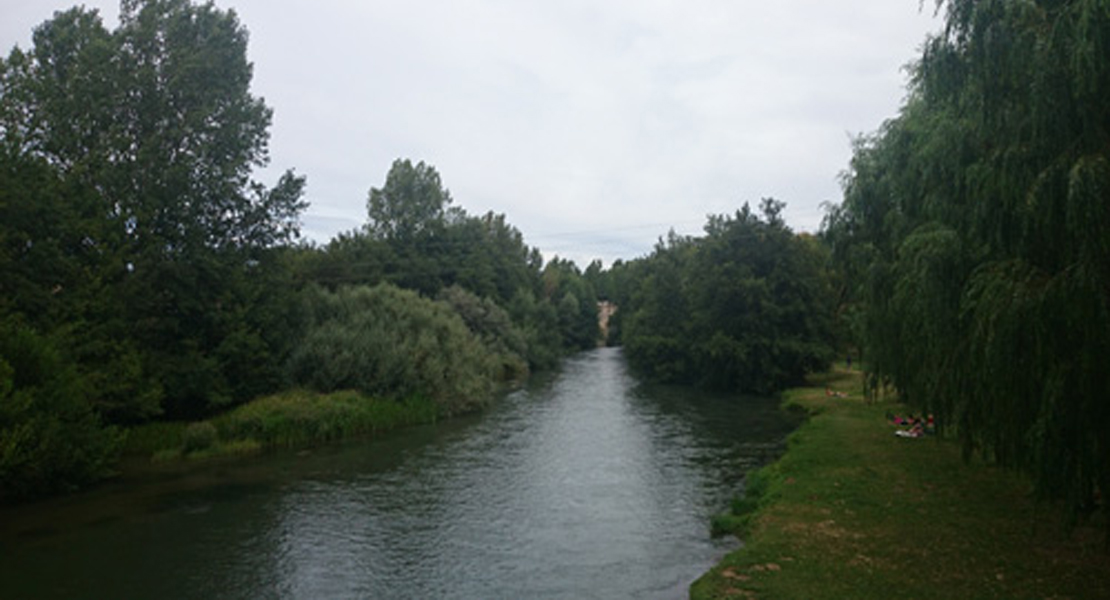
(975, 233)
(145, 276)
(747, 307)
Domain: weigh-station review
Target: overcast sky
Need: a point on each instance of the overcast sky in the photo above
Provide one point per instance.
(594, 126)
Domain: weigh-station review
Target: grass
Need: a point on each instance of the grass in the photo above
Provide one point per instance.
(853, 511)
(290, 419)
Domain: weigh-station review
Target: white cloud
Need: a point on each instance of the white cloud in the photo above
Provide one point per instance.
(592, 126)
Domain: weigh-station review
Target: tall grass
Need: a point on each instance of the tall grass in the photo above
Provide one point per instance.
(149, 438)
(302, 417)
(289, 419)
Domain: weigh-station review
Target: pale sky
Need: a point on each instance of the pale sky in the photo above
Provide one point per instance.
(595, 127)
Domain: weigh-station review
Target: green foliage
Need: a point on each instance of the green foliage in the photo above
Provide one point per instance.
(130, 226)
(743, 508)
(415, 241)
(974, 225)
(388, 342)
(575, 304)
(493, 326)
(747, 307)
(299, 417)
(412, 203)
(50, 439)
(288, 419)
(198, 437)
(149, 438)
(539, 323)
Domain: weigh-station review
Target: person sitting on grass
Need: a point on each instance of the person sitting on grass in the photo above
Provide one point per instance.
(915, 431)
(899, 420)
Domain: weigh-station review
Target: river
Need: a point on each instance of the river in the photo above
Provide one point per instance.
(584, 484)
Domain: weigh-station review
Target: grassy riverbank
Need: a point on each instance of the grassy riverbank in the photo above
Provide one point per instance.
(853, 511)
(294, 418)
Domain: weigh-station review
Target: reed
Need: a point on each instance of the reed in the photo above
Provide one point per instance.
(301, 417)
(289, 419)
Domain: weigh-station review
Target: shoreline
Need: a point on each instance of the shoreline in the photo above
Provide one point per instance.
(853, 511)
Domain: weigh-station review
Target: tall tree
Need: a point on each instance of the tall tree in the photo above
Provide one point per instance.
(976, 222)
(151, 133)
(746, 307)
(412, 202)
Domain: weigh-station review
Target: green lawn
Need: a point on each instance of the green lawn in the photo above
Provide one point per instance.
(853, 511)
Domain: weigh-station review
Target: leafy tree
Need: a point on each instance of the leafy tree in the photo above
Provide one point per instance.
(975, 225)
(416, 241)
(575, 304)
(413, 202)
(145, 137)
(493, 326)
(50, 439)
(747, 307)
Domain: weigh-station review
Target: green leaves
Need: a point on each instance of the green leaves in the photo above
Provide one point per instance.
(131, 227)
(50, 439)
(990, 300)
(387, 342)
(412, 203)
(747, 307)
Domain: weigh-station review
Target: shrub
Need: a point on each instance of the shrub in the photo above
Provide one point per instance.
(392, 343)
(301, 417)
(198, 436)
(50, 438)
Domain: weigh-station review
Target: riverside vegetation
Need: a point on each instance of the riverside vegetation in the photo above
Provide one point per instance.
(154, 297)
(853, 511)
(142, 288)
(972, 271)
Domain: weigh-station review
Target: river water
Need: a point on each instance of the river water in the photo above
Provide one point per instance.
(584, 484)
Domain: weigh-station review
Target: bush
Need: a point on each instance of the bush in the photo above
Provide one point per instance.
(198, 436)
(392, 343)
(493, 326)
(50, 439)
(302, 417)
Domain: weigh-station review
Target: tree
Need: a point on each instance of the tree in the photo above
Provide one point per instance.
(50, 439)
(147, 136)
(412, 203)
(746, 307)
(975, 223)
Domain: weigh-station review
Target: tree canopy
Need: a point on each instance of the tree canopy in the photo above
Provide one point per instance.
(975, 224)
(133, 242)
(747, 307)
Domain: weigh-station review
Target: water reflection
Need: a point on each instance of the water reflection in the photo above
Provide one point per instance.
(583, 485)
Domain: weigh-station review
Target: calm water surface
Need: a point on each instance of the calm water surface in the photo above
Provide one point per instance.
(585, 484)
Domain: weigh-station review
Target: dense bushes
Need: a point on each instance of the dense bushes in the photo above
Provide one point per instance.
(393, 343)
(493, 326)
(747, 307)
(171, 279)
(50, 439)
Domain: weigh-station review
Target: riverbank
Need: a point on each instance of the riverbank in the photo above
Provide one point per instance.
(853, 511)
(288, 419)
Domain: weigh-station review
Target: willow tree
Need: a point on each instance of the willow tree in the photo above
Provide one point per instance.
(977, 223)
